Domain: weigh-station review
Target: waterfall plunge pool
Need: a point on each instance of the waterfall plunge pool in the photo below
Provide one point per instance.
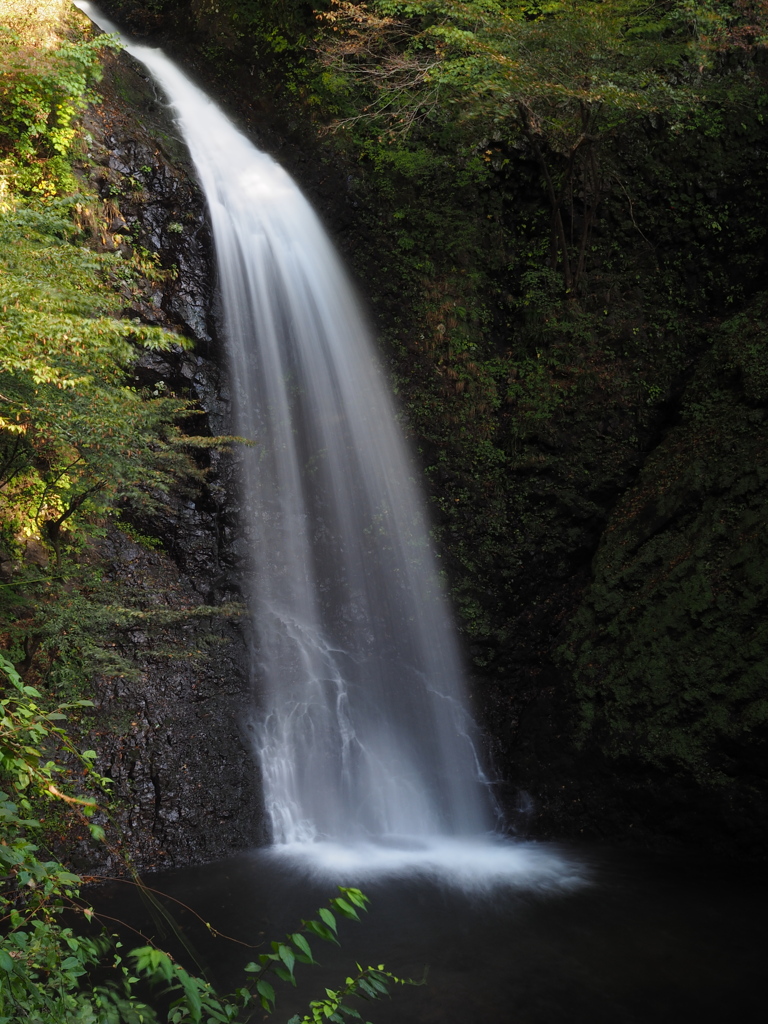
(585, 936)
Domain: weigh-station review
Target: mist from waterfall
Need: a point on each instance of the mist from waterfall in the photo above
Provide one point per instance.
(367, 750)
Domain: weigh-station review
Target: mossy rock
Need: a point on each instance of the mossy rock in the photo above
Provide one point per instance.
(669, 649)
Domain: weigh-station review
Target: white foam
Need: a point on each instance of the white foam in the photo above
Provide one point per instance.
(469, 864)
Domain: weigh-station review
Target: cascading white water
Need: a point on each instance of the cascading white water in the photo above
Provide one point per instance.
(363, 734)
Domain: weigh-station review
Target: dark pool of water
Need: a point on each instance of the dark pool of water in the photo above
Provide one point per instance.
(646, 940)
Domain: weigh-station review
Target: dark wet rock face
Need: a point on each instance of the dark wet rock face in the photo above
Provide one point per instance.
(172, 736)
(171, 732)
(152, 204)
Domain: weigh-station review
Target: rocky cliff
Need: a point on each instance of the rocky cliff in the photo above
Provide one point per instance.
(172, 732)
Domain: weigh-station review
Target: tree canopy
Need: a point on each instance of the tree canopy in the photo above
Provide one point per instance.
(560, 78)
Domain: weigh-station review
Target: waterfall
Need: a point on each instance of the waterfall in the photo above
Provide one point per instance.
(361, 727)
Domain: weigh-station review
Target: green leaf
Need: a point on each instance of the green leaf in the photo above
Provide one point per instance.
(6, 963)
(328, 917)
(365, 986)
(301, 944)
(72, 962)
(191, 987)
(69, 878)
(378, 984)
(266, 992)
(321, 931)
(345, 909)
(288, 957)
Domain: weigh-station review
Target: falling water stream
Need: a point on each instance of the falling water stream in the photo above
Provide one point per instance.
(368, 753)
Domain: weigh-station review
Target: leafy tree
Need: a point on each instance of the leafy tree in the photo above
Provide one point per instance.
(76, 438)
(561, 78)
(44, 84)
(80, 447)
(721, 25)
(78, 443)
(42, 91)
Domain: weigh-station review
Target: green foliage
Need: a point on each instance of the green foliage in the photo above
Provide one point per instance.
(76, 440)
(722, 25)
(563, 83)
(80, 448)
(369, 983)
(43, 962)
(42, 89)
(78, 444)
(196, 1000)
(25, 730)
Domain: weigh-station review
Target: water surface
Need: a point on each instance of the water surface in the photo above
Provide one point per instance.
(623, 940)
